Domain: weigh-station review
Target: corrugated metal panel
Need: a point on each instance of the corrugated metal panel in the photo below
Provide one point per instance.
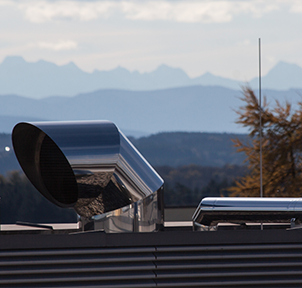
(230, 266)
(278, 265)
(128, 267)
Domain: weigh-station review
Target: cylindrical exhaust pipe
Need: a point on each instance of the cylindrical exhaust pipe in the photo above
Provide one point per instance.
(212, 211)
(88, 165)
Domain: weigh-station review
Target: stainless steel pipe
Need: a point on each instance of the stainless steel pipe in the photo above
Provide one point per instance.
(88, 165)
(211, 211)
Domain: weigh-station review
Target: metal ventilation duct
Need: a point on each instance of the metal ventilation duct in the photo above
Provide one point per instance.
(211, 211)
(90, 166)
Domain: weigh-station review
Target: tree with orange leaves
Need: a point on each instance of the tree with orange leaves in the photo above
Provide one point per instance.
(281, 148)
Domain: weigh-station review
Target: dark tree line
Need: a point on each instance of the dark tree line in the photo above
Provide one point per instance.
(184, 186)
(20, 201)
(187, 185)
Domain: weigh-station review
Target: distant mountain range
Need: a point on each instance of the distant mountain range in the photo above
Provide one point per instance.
(195, 108)
(42, 79)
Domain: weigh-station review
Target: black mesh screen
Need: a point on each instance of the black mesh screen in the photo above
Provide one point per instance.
(57, 174)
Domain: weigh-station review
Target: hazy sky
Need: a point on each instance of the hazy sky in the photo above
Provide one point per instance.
(199, 36)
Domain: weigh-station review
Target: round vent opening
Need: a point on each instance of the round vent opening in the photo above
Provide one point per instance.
(56, 173)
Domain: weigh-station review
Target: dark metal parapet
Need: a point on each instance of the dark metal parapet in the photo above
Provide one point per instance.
(88, 165)
(268, 258)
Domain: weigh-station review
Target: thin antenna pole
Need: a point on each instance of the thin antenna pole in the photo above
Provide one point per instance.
(260, 120)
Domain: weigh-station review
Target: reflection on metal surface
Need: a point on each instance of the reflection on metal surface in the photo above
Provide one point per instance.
(142, 216)
(211, 211)
(88, 165)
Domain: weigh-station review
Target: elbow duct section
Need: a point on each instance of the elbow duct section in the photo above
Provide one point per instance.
(92, 167)
(240, 210)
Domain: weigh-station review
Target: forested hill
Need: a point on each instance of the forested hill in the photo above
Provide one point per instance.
(164, 149)
(183, 148)
(8, 161)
